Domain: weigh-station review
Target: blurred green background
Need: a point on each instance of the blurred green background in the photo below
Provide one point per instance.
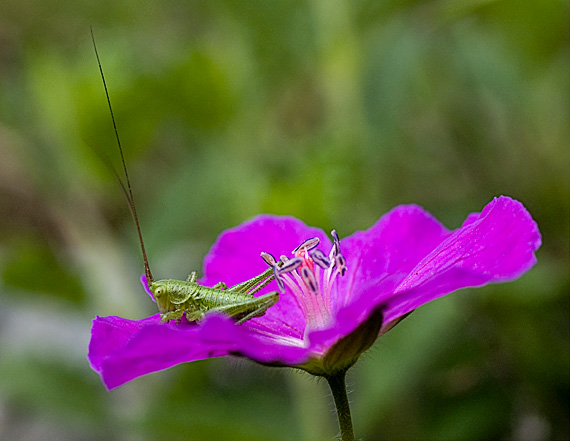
(329, 110)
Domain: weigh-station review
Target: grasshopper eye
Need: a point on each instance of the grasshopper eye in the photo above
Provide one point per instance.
(158, 291)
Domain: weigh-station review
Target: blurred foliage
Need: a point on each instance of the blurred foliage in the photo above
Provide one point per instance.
(331, 111)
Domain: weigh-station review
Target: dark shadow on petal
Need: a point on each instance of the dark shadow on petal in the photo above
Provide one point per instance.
(345, 352)
(388, 326)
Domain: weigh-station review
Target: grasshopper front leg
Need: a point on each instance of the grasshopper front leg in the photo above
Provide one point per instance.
(172, 315)
(193, 316)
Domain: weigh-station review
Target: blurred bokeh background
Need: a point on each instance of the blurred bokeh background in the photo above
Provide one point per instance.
(329, 110)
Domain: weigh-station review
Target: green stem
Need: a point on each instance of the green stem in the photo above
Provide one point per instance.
(338, 388)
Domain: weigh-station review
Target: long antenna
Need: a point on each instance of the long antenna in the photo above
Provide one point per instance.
(128, 192)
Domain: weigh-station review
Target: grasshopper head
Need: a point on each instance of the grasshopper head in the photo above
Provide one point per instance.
(160, 293)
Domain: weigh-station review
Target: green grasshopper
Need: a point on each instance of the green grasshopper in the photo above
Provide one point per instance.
(177, 298)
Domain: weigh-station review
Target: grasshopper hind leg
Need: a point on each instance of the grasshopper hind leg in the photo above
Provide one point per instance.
(270, 300)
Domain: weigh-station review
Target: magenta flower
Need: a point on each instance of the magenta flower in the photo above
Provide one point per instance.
(324, 320)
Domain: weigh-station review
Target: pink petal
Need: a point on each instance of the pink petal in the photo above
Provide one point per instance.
(384, 254)
(144, 282)
(122, 350)
(235, 257)
(496, 246)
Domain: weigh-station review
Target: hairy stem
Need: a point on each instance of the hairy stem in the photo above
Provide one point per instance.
(338, 388)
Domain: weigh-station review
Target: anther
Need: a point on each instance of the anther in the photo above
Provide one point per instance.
(289, 265)
(278, 279)
(309, 279)
(320, 259)
(335, 250)
(268, 259)
(334, 234)
(309, 244)
(340, 263)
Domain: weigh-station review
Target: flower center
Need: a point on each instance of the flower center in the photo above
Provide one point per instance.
(310, 276)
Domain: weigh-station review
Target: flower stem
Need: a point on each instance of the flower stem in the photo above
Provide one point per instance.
(338, 388)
